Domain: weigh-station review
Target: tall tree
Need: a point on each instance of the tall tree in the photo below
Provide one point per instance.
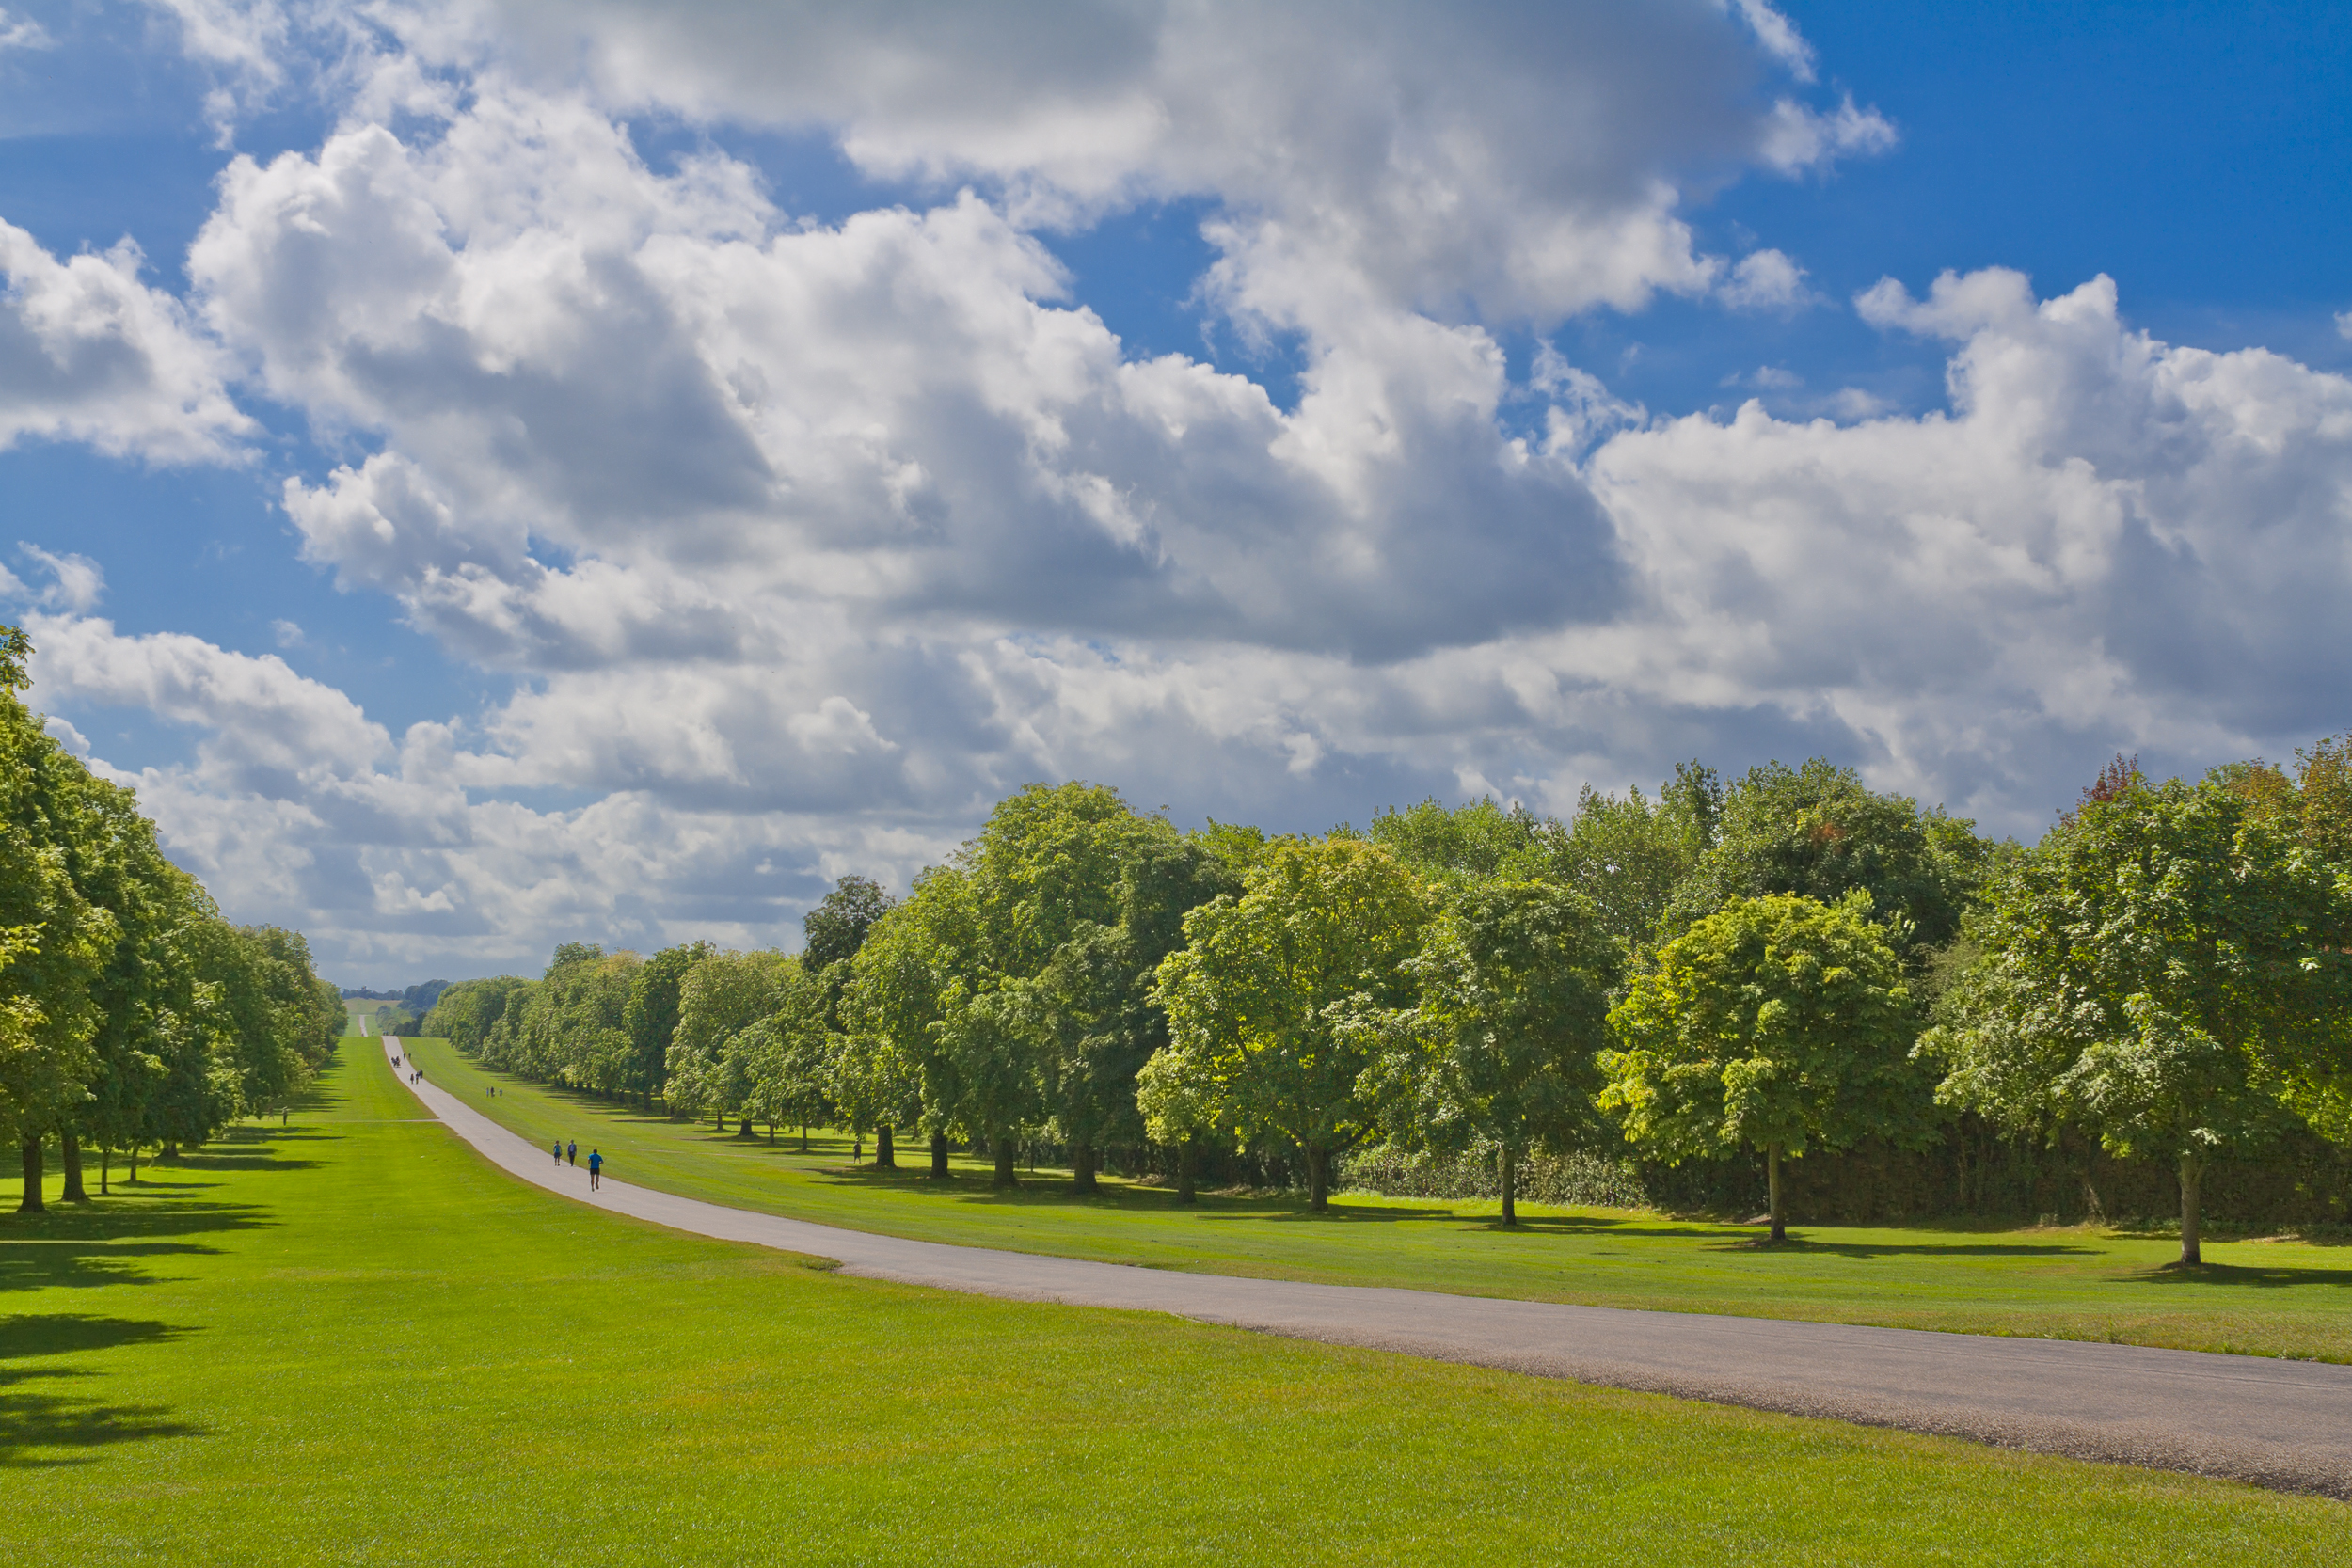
(2154, 970)
(1628, 853)
(1777, 1023)
(1503, 1049)
(650, 1016)
(1816, 830)
(1270, 1000)
(723, 994)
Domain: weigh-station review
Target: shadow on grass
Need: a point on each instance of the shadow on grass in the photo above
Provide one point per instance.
(1806, 1246)
(34, 1426)
(2232, 1274)
(74, 1246)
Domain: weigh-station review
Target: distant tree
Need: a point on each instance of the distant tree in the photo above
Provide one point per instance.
(650, 1016)
(1473, 843)
(2163, 969)
(834, 931)
(1272, 1001)
(1628, 854)
(723, 994)
(1503, 1049)
(1817, 831)
(1777, 1023)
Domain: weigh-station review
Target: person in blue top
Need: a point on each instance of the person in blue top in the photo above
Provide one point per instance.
(559, 1151)
(596, 1170)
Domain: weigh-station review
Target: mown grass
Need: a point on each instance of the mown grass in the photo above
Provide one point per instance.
(2262, 1298)
(351, 1341)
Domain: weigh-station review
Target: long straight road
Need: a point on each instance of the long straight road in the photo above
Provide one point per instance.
(2284, 1424)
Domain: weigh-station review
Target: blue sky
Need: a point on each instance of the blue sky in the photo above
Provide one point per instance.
(702, 599)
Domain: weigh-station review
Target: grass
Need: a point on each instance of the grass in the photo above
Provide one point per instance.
(351, 1341)
(2262, 1298)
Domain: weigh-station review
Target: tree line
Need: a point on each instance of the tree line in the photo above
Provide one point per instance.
(1782, 965)
(133, 1016)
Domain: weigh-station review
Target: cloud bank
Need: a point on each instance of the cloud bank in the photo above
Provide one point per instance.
(802, 541)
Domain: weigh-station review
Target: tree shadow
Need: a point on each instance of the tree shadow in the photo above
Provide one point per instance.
(1806, 1246)
(2238, 1274)
(70, 1247)
(33, 1423)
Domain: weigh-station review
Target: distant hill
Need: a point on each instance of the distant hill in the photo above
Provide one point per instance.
(417, 999)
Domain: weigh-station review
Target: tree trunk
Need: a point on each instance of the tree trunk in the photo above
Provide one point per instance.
(2192, 1209)
(32, 1203)
(804, 1137)
(857, 1148)
(70, 1151)
(1007, 1152)
(1771, 1161)
(106, 1158)
(1318, 1179)
(745, 1131)
(1188, 1168)
(885, 1149)
(135, 1164)
(1510, 1187)
(939, 1156)
(1082, 1160)
(771, 1132)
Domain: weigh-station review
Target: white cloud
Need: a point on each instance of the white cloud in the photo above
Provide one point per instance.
(802, 542)
(1779, 37)
(21, 32)
(1765, 281)
(2343, 323)
(88, 353)
(75, 582)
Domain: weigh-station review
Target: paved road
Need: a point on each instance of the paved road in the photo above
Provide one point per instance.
(2286, 1424)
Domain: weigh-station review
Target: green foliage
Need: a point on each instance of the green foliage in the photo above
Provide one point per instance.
(1777, 1023)
(1628, 855)
(2162, 969)
(1817, 831)
(1274, 1001)
(723, 995)
(650, 1015)
(1503, 1049)
(1473, 843)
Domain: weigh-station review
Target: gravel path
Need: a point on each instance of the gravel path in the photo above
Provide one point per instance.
(2284, 1424)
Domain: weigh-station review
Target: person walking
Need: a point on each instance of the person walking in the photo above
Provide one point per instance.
(571, 1152)
(559, 1151)
(596, 1170)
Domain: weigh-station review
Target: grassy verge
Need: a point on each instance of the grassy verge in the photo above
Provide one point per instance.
(2265, 1298)
(351, 1341)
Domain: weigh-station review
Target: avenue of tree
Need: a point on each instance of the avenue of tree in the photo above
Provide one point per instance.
(132, 1015)
(1788, 964)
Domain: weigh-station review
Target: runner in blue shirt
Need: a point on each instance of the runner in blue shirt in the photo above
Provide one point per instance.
(596, 1170)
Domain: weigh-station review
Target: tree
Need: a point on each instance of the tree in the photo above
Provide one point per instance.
(1096, 993)
(890, 1066)
(1268, 1001)
(834, 931)
(1628, 854)
(2156, 970)
(650, 1016)
(1470, 843)
(1816, 831)
(1503, 1049)
(1777, 1023)
(787, 1056)
(723, 994)
(58, 941)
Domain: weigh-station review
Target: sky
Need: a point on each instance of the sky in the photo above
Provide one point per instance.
(496, 472)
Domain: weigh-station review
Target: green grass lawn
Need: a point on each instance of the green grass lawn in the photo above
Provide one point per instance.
(2269, 1298)
(351, 1341)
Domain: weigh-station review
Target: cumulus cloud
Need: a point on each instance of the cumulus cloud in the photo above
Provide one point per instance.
(798, 543)
(88, 352)
(1765, 281)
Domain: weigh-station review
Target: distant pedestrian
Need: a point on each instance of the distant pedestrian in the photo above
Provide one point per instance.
(596, 1170)
(559, 1151)
(571, 1152)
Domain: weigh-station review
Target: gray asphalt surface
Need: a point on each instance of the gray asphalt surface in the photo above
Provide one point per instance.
(2283, 1424)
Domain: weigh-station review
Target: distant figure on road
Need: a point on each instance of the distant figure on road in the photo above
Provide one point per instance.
(571, 1152)
(559, 1151)
(596, 1170)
